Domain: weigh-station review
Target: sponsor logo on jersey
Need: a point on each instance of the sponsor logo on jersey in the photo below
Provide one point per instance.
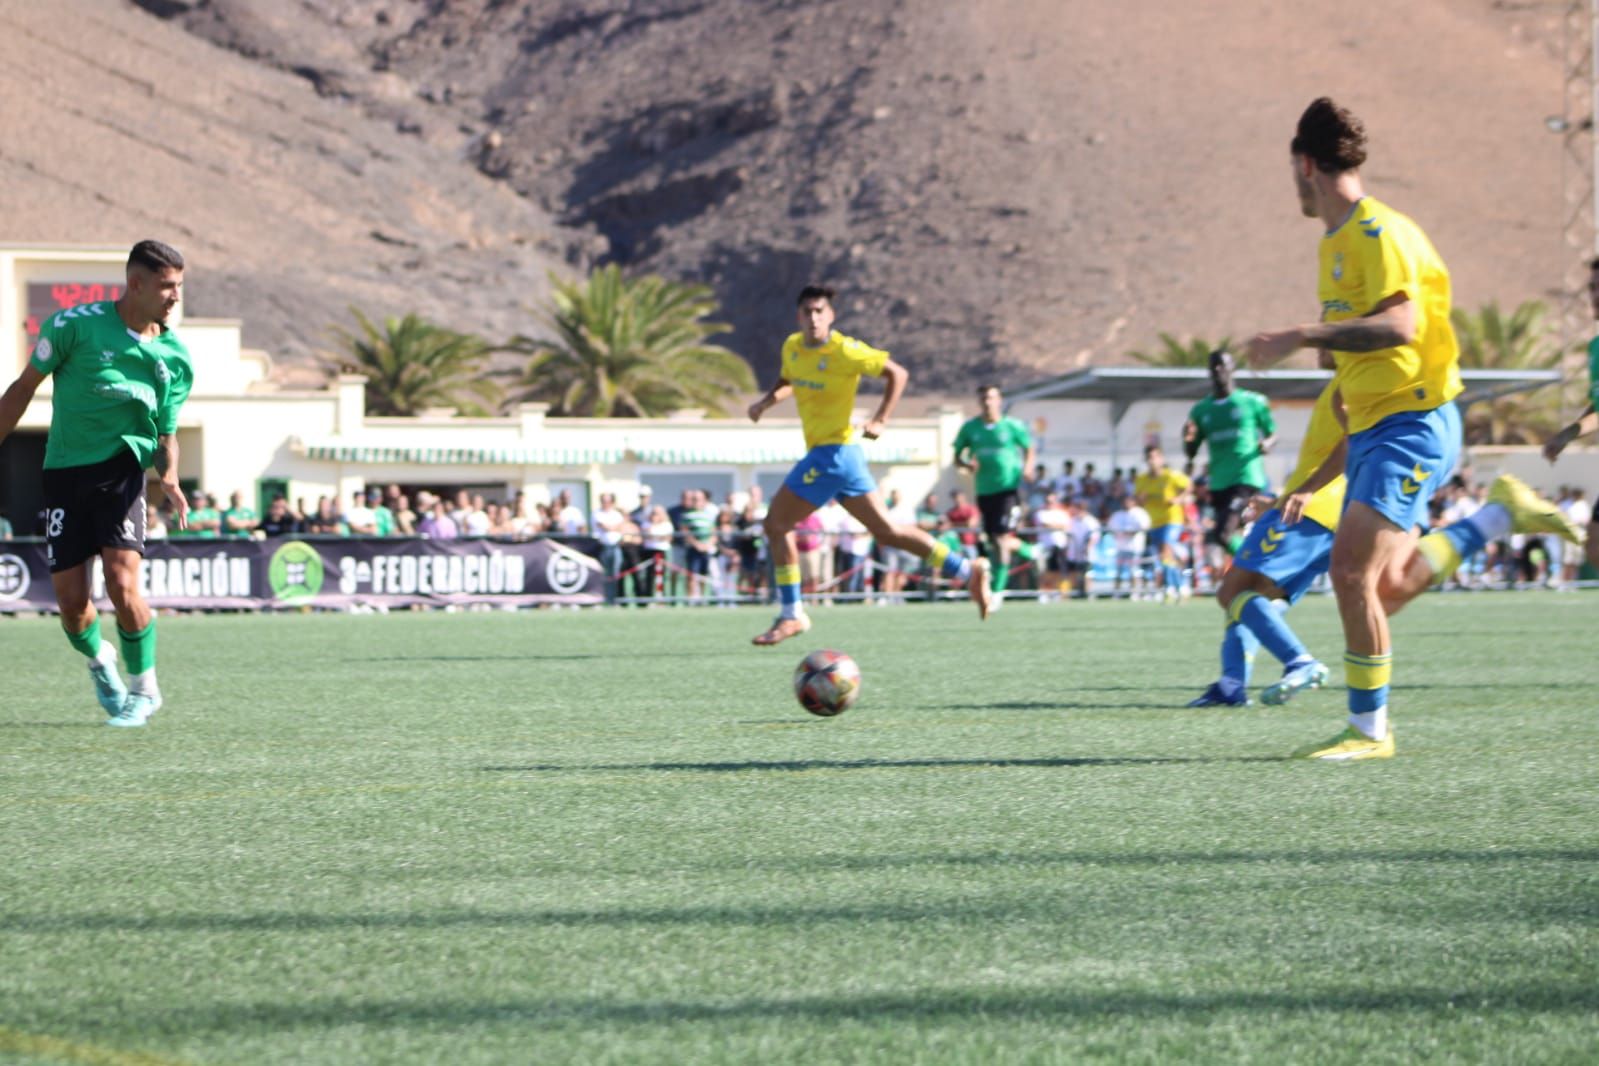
(1338, 266)
(1336, 306)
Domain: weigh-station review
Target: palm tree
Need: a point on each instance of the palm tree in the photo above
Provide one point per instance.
(411, 364)
(631, 347)
(1175, 353)
(1523, 340)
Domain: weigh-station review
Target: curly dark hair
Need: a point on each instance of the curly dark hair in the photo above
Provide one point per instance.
(1330, 136)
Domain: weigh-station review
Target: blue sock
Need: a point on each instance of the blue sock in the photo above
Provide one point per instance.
(1367, 677)
(1267, 624)
(1467, 538)
(956, 567)
(1238, 646)
(952, 564)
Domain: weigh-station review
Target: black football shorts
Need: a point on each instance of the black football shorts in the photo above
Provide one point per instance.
(87, 508)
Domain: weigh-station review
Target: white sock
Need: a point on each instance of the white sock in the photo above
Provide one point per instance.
(1372, 723)
(1492, 521)
(107, 655)
(144, 683)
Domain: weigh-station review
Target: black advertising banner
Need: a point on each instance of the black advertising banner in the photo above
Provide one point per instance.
(343, 572)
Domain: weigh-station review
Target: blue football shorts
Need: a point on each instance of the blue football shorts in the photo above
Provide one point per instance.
(830, 470)
(1161, 536)
(1395, 466)
(1291, 557)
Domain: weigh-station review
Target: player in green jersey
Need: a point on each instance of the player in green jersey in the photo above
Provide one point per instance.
(121, 376)
(1238, 426)
(1588, 421)
(1000, 451)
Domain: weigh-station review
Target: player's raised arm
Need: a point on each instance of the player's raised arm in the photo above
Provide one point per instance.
(780, 391)
(1268, 428)
(166, 465)
(16, 399)
(1587, 422)
(1391, 324)
(895, 378)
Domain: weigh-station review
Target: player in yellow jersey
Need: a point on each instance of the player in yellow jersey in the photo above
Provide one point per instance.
(821, 369)
(1385, 301)
(1288, 548)
(1161, 492)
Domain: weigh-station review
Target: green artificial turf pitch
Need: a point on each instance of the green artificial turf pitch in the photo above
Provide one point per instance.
(614, 837)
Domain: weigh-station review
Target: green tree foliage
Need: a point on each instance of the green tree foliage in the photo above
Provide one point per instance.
(1523, 340)
(412, 364)
(631, 347)
(1177, 353)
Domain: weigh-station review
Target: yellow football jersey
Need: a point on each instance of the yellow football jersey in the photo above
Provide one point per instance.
(1157, 494)
(1321, 437)
(825, 380)
(1376, 253)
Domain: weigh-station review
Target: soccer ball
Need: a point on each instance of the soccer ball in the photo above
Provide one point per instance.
(827, 682)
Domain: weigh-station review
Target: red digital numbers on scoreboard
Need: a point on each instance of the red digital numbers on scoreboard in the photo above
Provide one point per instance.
(45, 298)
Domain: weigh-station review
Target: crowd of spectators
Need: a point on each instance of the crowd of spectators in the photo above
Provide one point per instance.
(1520, 558)
(1078, 534)
(375, 512)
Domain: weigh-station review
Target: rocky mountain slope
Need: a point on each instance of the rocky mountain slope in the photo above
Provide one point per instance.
(1008, 187)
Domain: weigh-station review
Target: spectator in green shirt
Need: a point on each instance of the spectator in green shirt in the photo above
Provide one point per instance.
(205, 520)
(238, 520)
(382, 517)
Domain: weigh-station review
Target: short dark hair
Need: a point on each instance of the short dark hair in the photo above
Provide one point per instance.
(1151, 448)
(817, 292)
(982, 389)
(155, 256)
(1593, 264)
(1330, 136)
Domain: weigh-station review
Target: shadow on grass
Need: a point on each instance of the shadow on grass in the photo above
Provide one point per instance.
(517, 657)
(802, 765)
(963, 911)
(1069, 705)
(936, 1007)
(53, 725)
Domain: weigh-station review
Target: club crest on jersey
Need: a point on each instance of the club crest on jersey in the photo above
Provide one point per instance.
(42, 351)
(821, 364)
(107, 356)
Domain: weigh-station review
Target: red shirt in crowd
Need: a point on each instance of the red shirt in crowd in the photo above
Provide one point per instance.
(963, 519)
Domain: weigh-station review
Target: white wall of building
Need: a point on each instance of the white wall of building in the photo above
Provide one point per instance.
(239, 427)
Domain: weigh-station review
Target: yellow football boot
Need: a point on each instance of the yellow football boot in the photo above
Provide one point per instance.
(1530, 512)
(1349, 746)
